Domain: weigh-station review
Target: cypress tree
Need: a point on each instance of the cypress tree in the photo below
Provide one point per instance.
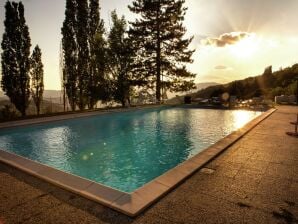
(83, 52)
(15, 62)
(120, 60)
(97, 63)
(162, 49)
(102, 87)
(36, 73)
(267, 79)
(70, 53)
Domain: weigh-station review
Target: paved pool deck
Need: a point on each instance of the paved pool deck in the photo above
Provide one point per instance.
(253, 181)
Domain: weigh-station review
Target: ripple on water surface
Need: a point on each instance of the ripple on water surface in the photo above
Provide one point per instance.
(124, 150)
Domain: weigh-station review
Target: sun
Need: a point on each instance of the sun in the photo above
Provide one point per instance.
(246, 47)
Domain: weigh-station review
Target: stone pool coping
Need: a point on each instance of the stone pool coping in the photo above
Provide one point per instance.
(133, 203)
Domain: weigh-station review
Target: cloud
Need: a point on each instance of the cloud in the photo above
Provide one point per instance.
(225, 39)
(220, 67)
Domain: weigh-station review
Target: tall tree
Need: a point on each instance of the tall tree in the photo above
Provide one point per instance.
(267, 79)
(36, 73)
(16, 45)
(97, 63)
(121, 60)
(70, 52)
(162, 49)
(83, 52)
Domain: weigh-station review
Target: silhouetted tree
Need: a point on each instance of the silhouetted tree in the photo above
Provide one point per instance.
(36, 73)
(83, 52)
(282, 82)
(162, 49)
(103, 87)
(236, 89)
(70, 52)
(97, 85)
(16, 45)
(218, 91)
(267, 79)
(120, 60)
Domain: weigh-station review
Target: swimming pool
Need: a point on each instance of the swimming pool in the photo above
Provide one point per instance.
(124, 150)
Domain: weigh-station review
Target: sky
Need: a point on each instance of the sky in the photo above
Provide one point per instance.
(233, 39)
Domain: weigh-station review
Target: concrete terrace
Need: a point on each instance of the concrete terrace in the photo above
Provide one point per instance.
(253, 181)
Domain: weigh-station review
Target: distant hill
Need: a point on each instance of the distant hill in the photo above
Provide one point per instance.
(52, 102)
(55, 95)
(46, 94)
(199, 86)
(204, 85)
(175, 98)
(52, 94)
(269, 84)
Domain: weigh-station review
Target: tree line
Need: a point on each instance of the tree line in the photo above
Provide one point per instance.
(101, 64)
(269, 84)
(22, 74)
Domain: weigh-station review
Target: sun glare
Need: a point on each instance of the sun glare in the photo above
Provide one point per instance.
(240, 118)
(246, 47)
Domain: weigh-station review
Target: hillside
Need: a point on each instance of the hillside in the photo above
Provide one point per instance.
(269, 84)
(199, 86)
(47, 94)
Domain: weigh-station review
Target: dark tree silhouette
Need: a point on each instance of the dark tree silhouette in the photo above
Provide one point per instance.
(162, 49)
(16, 45)
(235, 89)
(120, 60)
(97, 85)
(267, 78)
(268, 85)
(83, 52)
(36, 73)
(70, 52)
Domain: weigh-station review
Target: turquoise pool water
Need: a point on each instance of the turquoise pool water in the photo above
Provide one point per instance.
(124, 150)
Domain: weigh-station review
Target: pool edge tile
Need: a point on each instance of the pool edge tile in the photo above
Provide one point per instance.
(20, 162)
(74, 183)
(171, 178)
(102, 193)
(136, 202)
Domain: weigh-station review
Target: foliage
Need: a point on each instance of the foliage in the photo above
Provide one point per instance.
(84, 49)
(162, 50)
(83, 52)
(8, 113)
(120, 60)
(97, 84)
(36, 73)
(16, 45)
(70, 52)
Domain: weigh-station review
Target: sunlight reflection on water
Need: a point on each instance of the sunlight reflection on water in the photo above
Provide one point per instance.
(124, 150)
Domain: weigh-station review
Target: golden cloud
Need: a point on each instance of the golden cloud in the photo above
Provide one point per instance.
(225, 39)
(220, 67)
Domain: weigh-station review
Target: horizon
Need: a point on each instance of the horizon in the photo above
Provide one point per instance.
(232, 45)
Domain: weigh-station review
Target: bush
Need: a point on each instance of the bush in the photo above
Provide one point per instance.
(8, 113)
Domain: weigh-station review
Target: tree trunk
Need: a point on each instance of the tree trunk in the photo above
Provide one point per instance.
(73, 106)
(23, 112)
(64, 99)
(158, 60)
(158, 82)
(297, 91)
